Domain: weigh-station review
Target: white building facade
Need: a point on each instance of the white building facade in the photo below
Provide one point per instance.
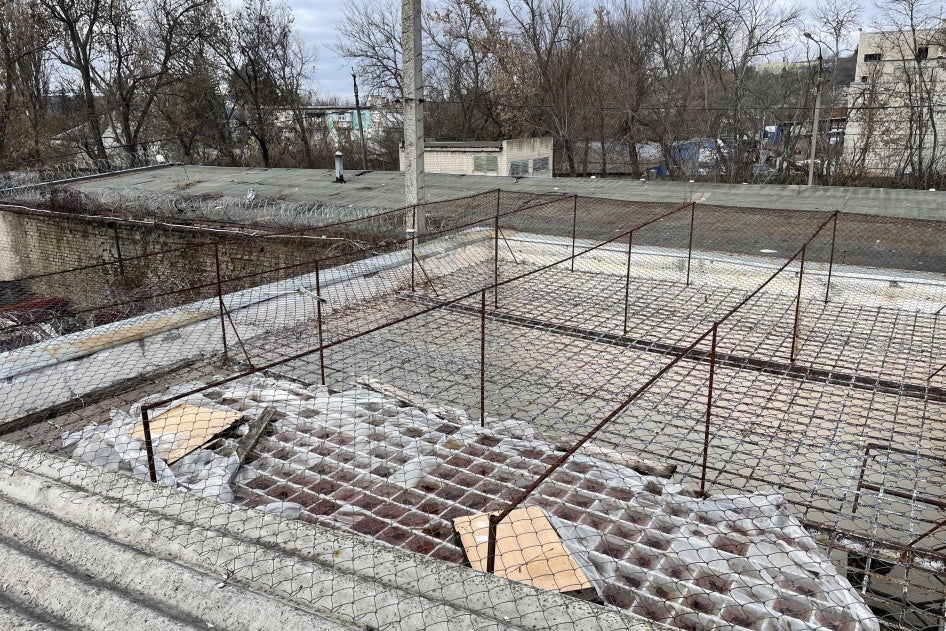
(522, 157)
(897, 106)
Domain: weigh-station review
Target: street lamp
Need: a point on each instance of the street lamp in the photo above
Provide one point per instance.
(814, 127)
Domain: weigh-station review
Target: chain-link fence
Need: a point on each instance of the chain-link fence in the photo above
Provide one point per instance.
(705, 416)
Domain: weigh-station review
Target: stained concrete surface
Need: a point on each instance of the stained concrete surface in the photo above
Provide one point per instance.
(385, 189)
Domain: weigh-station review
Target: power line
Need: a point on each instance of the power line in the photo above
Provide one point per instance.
(657, 108)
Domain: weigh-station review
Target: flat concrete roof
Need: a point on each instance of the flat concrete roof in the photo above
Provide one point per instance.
(385, 189)
(764, 416)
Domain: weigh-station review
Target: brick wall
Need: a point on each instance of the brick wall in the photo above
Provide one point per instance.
(77, 259)
(529, 153)
(526, 149)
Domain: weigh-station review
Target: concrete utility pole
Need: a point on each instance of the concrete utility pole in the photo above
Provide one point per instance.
(814, 126)
(412, 54)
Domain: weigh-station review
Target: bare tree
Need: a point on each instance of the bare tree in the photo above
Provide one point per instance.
(78, 24)
(537, 68)
(369, 35)
(836, 20)
(192, 108)
(139, 43)
(24, 84)
(684, 65)
(909, 28)
(743, 32)
(297, 62)
(458, 73)
(628, 59)
(264, 66)
(867, 116)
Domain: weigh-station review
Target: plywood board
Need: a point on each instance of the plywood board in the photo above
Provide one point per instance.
(528, 550)
(185, 428)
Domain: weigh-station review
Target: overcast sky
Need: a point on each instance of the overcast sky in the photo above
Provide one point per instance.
(315, 23)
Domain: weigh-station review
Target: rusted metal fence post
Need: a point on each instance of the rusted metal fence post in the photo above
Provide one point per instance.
(496, 258)
(834, 232)
(118, 251)
(627, 280)
(483, 359)
(690, 241)
(149, 448)
(936, 372)
(574, 228)
(223, 322)
(318, 313)
(796, 328)
(709, 411)
(926, 534)
(491, 543)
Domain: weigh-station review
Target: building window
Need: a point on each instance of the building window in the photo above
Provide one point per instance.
(485, 164)
(519, 168)
(872, 57)
(540, 164)
(864, 79)
(923, 52)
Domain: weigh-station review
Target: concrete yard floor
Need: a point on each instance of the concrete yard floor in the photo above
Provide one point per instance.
(849, 429)
(556, 357)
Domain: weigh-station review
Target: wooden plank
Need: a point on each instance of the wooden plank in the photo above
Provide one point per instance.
(188, 427)
(641, 465)
(409, 398)
(528, 550)
(246, 443)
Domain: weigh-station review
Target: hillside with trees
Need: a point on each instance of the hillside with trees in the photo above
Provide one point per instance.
(702, 87)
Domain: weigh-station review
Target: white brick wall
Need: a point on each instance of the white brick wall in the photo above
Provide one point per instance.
(526, 149)
(459, 159)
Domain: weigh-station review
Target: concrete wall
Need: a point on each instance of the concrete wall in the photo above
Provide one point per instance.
(531, 149)
(458, 161)
(34, 244)
(77, 259)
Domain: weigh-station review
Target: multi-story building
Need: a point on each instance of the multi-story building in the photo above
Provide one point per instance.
(897, 118)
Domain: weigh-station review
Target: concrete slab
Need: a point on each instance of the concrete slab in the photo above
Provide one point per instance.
(385, 189)
(312, 577)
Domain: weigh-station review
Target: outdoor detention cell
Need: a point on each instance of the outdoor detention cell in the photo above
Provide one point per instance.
(813, 375)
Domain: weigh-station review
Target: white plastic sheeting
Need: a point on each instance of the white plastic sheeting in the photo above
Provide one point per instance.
(654, 548)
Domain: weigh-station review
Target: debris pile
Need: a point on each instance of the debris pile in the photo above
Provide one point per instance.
(401, 471)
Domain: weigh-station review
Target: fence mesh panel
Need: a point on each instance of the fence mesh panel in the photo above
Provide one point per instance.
(702, 415)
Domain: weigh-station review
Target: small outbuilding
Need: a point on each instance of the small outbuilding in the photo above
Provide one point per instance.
(521, 157)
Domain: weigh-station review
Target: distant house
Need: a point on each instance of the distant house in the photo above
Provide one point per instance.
(522, 157)
(78, 143)
(336, 122)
